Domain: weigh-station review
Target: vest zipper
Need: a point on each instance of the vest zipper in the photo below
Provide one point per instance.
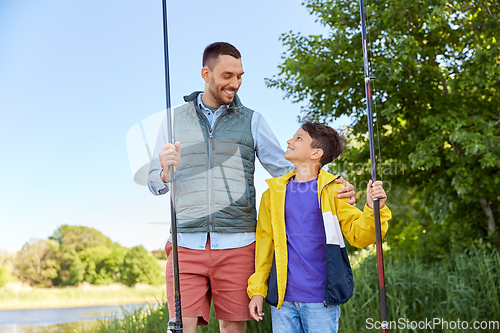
(321, 207)
(211, 140)
(210, 161)
(210, 133)
(210, 177)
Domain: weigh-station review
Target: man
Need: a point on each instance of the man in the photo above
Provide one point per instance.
(215, 194)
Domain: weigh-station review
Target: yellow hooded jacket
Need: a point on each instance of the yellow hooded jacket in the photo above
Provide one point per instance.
(339, 218)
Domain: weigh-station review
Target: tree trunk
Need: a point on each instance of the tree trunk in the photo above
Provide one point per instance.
(489, 213)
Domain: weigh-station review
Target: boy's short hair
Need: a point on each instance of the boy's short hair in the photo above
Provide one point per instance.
(214, 50)
(326, 138)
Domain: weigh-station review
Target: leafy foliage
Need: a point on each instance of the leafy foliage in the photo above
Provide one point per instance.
(139, 266)
(84, 266)
(112, 263)
(37, 262)
(437, 100)
(159, 254)
(73, 238)
(6, 266)
(76, 254)
(4, 275)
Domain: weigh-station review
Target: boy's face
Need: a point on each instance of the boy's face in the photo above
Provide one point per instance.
(299, 148)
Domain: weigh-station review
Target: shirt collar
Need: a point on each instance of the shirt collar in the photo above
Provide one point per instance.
(200, 104)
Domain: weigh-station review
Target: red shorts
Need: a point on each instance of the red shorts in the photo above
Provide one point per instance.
(206, 274)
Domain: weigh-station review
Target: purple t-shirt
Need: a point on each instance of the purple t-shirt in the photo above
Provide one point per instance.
(306, 243)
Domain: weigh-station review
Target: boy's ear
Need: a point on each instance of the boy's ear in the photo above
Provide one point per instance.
(318, 153)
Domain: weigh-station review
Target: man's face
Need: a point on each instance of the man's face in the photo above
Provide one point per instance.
(222, 81)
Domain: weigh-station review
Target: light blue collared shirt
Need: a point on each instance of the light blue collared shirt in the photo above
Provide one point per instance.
(270, 155)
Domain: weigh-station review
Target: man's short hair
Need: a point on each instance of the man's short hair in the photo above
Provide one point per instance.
(326, 138)
(214, 50)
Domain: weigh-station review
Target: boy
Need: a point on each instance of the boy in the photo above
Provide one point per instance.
(300, 251)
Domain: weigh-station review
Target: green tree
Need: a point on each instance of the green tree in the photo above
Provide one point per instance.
(96, 265)
(112, 264)
(88, 244)
(76, 270)
(7, 261)
(5, 275)
(159, 254)
(87, 262)
(139, 266)
(37, 262)
(72, 238)
(437, 100)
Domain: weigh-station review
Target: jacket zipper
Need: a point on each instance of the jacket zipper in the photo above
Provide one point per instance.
(321, 207)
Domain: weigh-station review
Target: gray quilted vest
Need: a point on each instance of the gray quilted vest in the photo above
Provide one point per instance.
(215, 178)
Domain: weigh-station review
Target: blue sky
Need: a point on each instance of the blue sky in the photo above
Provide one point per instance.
(75, 76)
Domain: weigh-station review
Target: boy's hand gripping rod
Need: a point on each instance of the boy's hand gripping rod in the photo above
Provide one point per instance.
(376, 205)
(173, 326)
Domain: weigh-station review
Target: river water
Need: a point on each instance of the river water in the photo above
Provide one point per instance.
(62, 320)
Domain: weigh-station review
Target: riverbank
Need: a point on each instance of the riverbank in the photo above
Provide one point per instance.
(17, 296)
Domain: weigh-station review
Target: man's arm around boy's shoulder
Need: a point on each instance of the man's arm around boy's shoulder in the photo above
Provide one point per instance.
(358, 226)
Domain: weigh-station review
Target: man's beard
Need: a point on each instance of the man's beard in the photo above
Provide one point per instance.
(219, 96)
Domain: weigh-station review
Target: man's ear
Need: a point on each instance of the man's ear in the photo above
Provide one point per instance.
(205, 72)
(318, 153)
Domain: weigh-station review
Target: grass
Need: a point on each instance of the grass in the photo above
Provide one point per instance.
(464, 285)
(39, 298)
(74, 327)
(155, 319)
(152, 319)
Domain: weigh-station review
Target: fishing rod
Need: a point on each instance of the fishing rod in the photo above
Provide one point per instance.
(376, 204)
(173, 326)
